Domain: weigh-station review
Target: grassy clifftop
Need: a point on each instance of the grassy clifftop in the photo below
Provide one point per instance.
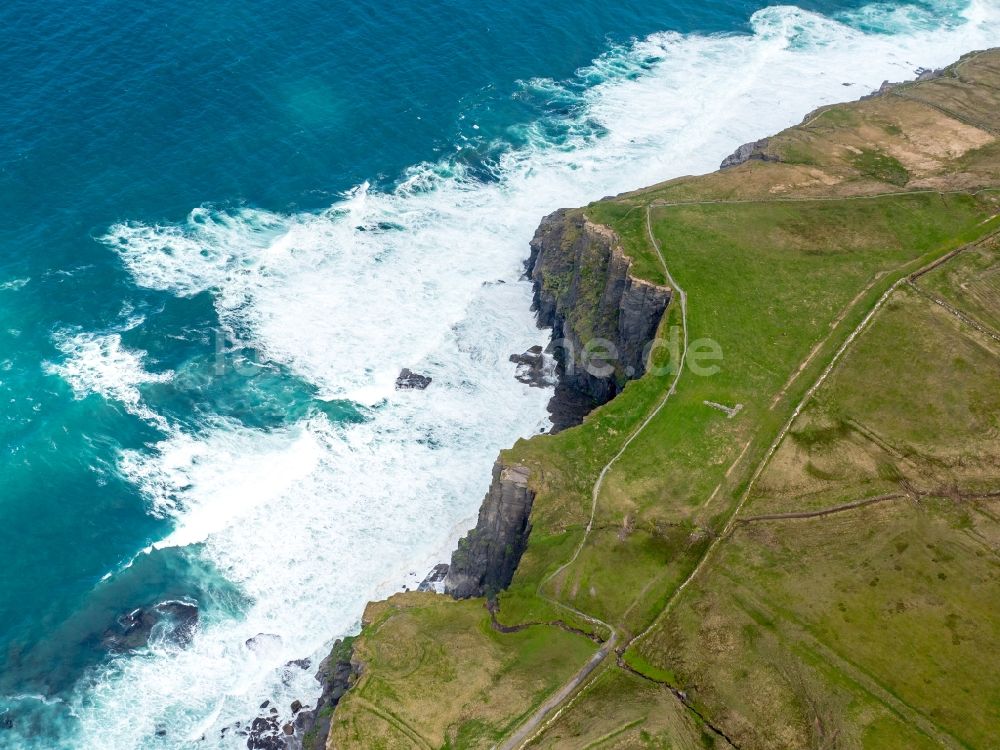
(786, 533)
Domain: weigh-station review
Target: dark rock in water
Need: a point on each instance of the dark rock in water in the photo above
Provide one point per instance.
(262, 641)
(409, 380)
(6, 723)
(173, 620)
(265, 735)
(531, 368)
(262, 724)
(183, 618)
(130, 631)
(486, 557)
(265, 704)
(300, 663)
(288, 728)
(437, 574)
(748, 151)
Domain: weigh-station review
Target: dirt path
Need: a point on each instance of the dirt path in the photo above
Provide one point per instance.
(914, 494)
(824, 511)
(527, 730)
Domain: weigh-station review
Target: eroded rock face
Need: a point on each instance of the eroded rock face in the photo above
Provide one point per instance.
(602, 317)
(487, 556)
(434, 578)
(746, 152)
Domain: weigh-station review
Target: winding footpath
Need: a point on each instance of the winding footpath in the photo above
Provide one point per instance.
(534, 724)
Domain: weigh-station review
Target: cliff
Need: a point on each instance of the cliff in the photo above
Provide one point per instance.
(487, 556)
(602, 316)
(602, 319)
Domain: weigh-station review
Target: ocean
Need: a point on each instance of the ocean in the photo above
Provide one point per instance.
(224, 230)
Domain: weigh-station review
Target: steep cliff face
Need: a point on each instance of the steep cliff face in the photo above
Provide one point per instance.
(311, 728)
(602, 317)
(487, 556)
(602, 320)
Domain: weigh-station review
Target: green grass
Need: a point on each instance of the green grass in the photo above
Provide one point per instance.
(880, 609)
(436, 670)
(880, 166)
(971, 282)
(629, 222)
(802, 262)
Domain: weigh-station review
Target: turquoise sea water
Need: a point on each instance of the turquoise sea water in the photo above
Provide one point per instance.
(223, 231)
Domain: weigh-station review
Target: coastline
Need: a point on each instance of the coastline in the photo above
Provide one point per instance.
(487, 558)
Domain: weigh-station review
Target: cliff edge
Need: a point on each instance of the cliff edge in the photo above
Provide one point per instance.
(602, 316)
(603, 319)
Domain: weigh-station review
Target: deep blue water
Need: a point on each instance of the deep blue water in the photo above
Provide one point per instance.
(117, 112)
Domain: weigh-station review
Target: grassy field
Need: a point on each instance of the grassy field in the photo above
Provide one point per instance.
(858, 382)
(782, 277)
(418, 691)
(876, 624)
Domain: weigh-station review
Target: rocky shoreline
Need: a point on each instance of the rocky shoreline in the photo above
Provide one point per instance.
(584, 291)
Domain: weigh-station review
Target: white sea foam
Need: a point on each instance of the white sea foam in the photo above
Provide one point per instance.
(314, 519)
(98, 363)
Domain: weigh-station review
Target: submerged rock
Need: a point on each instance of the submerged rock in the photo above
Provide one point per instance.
(263, 641)
(409, 380)
(174, 621)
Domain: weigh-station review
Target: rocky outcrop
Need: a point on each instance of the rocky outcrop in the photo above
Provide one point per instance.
(531, 369)
(753, 150)
(486, 558)
(301, 727)
(602, 316)
(922, 74)
(409, 381)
